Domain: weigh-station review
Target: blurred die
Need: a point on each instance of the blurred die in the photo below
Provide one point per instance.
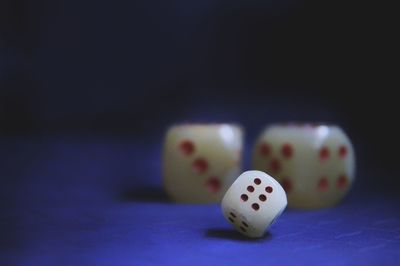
(314, 163)
(201, 161)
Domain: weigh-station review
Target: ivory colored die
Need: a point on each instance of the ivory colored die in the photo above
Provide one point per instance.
(201, 161)
(314, 163)
(253, 202)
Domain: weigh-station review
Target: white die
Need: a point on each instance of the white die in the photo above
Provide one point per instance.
(314, 163)
(201, 161)
(253, 202)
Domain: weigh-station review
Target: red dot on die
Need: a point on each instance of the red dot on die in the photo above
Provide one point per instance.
(324, 153)
(286, 184)
(287, 150)
(244, 197)
(342, 181)
(213, 184)
(265, 149)
(268, 189)
(255, 206)
(250, 188)
(342, 151)
(187, 147)
(200, 165)
(257, 181)
(323, 184)
(274, 166)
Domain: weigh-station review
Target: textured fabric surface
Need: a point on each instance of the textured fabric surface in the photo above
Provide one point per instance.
(69, 201)
(131, 68)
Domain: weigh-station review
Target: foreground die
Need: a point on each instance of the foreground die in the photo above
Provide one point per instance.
(314, 163)
(253, 202)
(201, 161)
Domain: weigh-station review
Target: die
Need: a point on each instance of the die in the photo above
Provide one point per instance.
(314, 162)
(201, 161)
(253, 202)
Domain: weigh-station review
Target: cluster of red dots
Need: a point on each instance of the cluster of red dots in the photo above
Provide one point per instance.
(243, 225)
(325, 153)
(187, 148)
(199, 165)
(286, 151)
(262, 197)
(322, 185)
(341, 182)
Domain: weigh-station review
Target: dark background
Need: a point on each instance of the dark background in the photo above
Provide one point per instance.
(133, 68)
(87, 89)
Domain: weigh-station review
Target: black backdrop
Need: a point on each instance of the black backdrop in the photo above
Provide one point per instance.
(116, 68)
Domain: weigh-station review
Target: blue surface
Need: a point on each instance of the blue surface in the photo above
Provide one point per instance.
(98, 201)
(132, 68)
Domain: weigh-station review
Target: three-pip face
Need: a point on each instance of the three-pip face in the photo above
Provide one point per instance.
(314, 163)
(200, 161)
